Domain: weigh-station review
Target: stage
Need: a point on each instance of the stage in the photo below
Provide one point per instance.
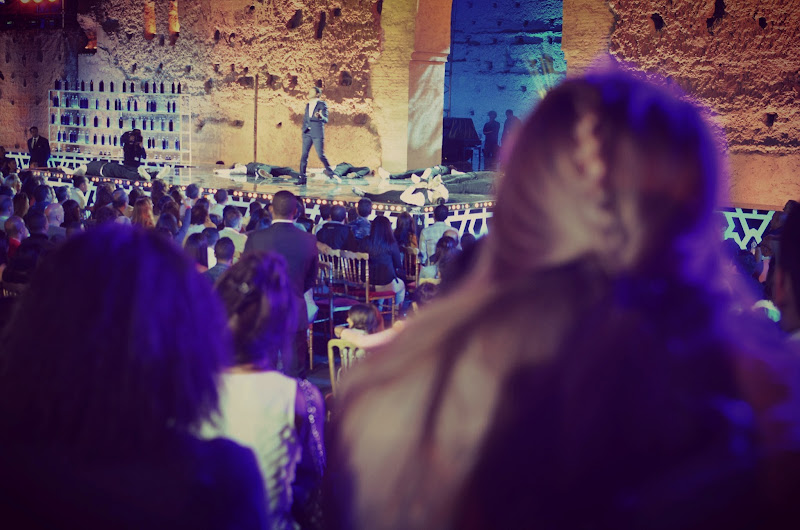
(468, 213)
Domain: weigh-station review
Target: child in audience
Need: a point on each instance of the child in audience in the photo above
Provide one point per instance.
(362, 319)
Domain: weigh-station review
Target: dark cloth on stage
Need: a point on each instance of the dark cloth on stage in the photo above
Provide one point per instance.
(114, 170)
(193, 483)
(435, 170)
(360, 227)
(39, 151)
(509, 126)
(345, 170)
(275, 171)
(334, 234)
(300, 250)
(313, 129)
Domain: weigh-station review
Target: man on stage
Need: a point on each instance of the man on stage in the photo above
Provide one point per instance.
(314, 120)
(39, 149)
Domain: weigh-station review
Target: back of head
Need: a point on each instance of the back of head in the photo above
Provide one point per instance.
(128, 382)
(224, 249)
(232, 217)
(192, 191)
(284, 205)
(41, 193)
(72, 211)
(366, 317)
(62, 193)
(196, 247)
(221, 196)
(36, 222)
(168, 222)
(119, 199)
(106, 214)
(135, 194)
(212, 236)
(199, 213)
(261, 310)
(633, 163)
(352, 214)
(78, 181)
(338, 213)
(380, 235)
(440, 213)
(21, 204)
(325, 211)
(364, 207)
(14, 227)
(54, 214)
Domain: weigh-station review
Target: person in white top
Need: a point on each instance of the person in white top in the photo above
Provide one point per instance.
(431, 235)
(277, 416)
(232, 217)
(80, 187)
(220, 201)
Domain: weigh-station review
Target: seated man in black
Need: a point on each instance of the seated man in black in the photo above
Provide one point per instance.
(335, 233)
(131, 169)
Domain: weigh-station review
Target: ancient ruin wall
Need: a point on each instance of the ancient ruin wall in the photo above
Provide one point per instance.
(739, 57)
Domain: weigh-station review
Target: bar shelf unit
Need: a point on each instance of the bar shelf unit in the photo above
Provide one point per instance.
(91, 123)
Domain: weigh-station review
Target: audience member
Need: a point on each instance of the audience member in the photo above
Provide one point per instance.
(72, 212)
(300, 250)
(120, 203)
(79, 190)
(212, 236)
(196, 248)
(431, 235)
(362, 320)
(589, 372)
(100, 420)
(168, 222)
(7, 165)
(786, 281)
(199, 218)
(360, 225)
(16, 231)
(220, 202)
(232, 217)
(324, 216)
(14, 183)
(405, 231)
(106, 214)
(301, 220)
(385, 261)
(281, 418)
(334, 232)
(223, 254)
(61, 193)
(143, 213)
(158, 190)
(446, 252)
(6, 209)
(55, 218)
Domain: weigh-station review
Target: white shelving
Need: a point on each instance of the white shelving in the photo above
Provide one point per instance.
(91, 122)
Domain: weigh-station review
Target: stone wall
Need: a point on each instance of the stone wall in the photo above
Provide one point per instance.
(739, 57)
(505, 55)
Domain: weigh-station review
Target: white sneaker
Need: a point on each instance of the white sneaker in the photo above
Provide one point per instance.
(426, 174)
(359, 191)
(382, 173)
(66, 170)
(143, 173)
(262, 173)
(415, 179)
(165, 172)
(223, 172)
(239, 169)
(456, 172)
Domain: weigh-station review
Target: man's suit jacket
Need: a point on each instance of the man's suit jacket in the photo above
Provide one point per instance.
(313, 126)
(39, 152)
(300, 250)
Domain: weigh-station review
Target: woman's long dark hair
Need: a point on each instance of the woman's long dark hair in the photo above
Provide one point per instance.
(405, 229)
(196, 248)
(380, 238)
(261, 308)
(133, 362)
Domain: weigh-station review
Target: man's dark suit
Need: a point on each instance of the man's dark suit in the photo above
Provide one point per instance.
(40, 151)
(314, 122)
(335, 235)
(300, 250)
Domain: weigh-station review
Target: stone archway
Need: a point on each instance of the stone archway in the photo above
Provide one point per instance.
(408, 82)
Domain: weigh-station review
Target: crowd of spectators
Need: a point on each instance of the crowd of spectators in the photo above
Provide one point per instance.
(599, 360)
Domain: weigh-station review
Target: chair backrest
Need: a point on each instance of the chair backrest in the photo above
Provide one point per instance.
(349, 355)
(331, 257)
(411, 263)
(12, 290)
(355, 270)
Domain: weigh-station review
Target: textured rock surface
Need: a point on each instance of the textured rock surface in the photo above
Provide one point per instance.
(739, 57)
(505, 55)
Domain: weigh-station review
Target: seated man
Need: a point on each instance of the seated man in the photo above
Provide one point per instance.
(335, 233)
(130, 169)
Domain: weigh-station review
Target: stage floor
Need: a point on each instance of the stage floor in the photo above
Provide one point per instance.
(318, 186)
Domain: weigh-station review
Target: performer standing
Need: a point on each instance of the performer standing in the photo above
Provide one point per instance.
(314, 120)
(39, 148)
(491, 132)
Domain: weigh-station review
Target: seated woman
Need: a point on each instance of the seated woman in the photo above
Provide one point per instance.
(99, 404)
(405, 231)
(281, 418)
(196, 247)
(385, 261)
(589, 372)
(446, 252)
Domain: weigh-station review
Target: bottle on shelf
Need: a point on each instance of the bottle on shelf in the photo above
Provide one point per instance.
(101, 86)
(120, 122)
(170, 125)
(124, 88)
(97, 104)
(55, 101)
(129, 105)
(58, 84)
(179, 87)
(146, 87)
(108, 122)
(133, 87)
(95, 121)
(177, 144)
(115, 139)
(152, 123)
(91, 87)
(162, 87)
(53, 119)
(111, 86)
(83, 121)
(94, 140)
(135, 106)
(173, 87)
(102, 139)
(108, 104)
(66, 84)
(163, 124)
(83, 85)
(133, 123)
